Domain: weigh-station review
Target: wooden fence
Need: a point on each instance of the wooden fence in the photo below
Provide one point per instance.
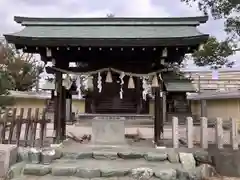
(31, 130)
(206, 132)
(23, 131)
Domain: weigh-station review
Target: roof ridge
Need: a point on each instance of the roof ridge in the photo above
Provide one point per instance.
(198, 19)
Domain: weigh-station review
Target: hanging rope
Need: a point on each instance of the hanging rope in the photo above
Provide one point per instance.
(113, 70)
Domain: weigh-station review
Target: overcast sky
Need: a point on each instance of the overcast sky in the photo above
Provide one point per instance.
(99, 8)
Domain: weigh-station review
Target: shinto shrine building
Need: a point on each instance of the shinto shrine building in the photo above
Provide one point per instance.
(122, 58)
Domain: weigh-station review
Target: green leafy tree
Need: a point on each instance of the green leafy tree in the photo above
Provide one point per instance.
(6, 82)
(23, 68)
(215, 53)
(5, 85)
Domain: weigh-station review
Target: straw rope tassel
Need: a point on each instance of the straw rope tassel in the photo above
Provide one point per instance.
(109, 77)
(155, 81)
(131, 83)
(165, 52)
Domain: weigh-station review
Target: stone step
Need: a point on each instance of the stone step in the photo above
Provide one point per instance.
(115, 155)
(105, 163)
(87, 168)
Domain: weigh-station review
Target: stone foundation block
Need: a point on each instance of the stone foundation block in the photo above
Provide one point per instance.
(8, 157)
(204, 171)
(23, 154)
(105, 155)
(37, 169)
(202, 157)
(187, 160)
(130, 155)
(142, 173)
(63, 170)
(80, 155)
(166, 174)
(47, 156)
(114, 172)
(173, 157)
(15, 170)
(183, 174)
(34, 155)
(88, 173)
(84, 155)
(108, 131)
(155, 156)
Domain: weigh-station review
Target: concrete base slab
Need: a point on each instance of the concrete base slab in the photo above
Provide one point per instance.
(108, 131)
(8, 157)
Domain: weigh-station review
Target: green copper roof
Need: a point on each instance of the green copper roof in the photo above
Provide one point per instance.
(111, 21)
(80, 31)
(177, 83)
(180, 86)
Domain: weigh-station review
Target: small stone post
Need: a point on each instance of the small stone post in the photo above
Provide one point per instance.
(190, 132)
(219, 133)
(234, 134)
(175, 132)
(204, 133)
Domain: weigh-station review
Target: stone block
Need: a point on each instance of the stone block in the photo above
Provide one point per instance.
(36, 169)
(142, 173)
(23, 154)
(202, 157)
(67, 155)
(166, 174)
(84, 155)
(130, 155)
(47, 156)
(110, 172)
(173, 157)
(204, 171)
(105, 155)
(15, 170)
(187, 160)
(8, 157)
(108, 131)
(183, 174)
(77, 155)
(88, 173)
(35, 155)
(63, 170)
(155, 156)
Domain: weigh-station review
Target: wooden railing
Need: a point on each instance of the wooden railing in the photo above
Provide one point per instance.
(23, 131)
(206, 133)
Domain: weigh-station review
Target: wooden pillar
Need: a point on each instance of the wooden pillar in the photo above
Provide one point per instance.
(68, 106)
(164, 109)
(55, 100)
(57, 111)
(52, 94)
(203, 104)
(63, 114)
(157, 119)
(138, 95)
(94, 94)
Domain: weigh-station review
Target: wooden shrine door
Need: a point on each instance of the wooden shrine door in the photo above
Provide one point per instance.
(109, 101)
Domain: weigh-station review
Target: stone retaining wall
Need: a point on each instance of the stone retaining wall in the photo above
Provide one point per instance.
(166, 165)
